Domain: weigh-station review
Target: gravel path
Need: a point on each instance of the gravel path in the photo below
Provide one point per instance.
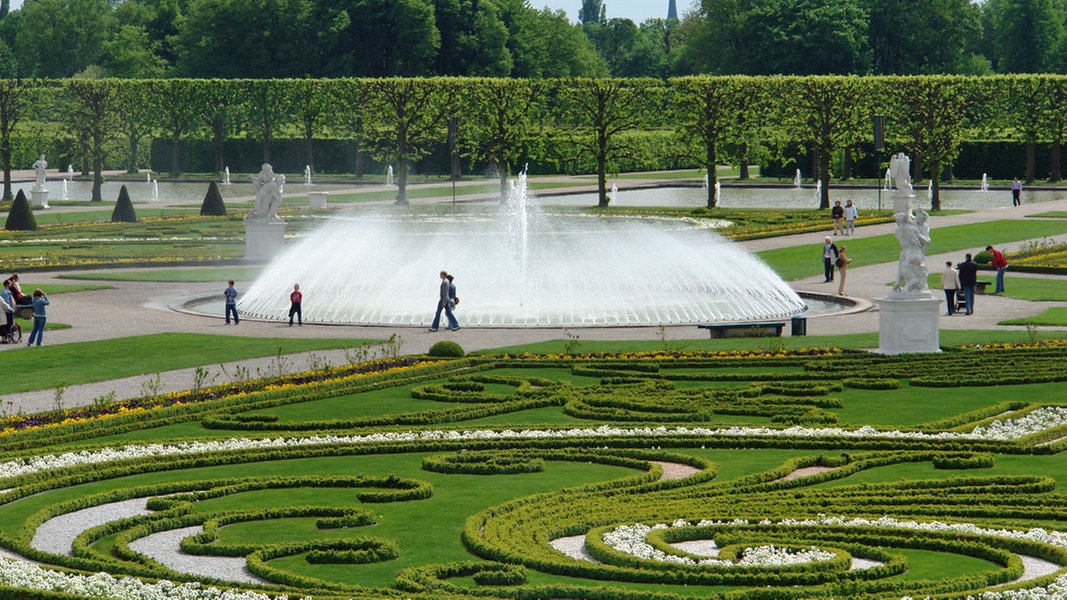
(164, 547)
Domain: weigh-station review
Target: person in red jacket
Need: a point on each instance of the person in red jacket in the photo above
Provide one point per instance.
(1000, 264)
(294, 305)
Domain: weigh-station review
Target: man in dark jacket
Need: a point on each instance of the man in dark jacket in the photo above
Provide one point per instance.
(968, 281)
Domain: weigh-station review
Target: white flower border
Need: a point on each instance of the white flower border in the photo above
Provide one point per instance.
(1009, 429)
(631, 539)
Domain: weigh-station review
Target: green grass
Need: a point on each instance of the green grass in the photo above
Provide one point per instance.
(84, 362)
(1034, 289)
(798, 262)
(202, 275)
(1055, 316)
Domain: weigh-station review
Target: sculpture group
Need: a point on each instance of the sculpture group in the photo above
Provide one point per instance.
(269, 187)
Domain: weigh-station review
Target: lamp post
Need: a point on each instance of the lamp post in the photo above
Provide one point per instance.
(879, 145)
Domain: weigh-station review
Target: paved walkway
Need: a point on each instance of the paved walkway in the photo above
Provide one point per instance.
(139, 308)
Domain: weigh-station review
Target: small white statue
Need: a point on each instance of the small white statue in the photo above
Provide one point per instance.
(900, 170)
(269, 187)
(39, 168)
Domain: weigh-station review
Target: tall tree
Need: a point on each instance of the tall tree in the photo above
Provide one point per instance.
(826, 113)
(134, 114)
(473, 39)
(16, 95)
(1028, 35)
(544, 44)
(309, 102)
(914, 37)
(498, 121)
(804, 37)
(176, 106)
(602, 109)
(707, 112)
(262, 107)
(592, 11)
(404, 117)
(95, 115)
(385, 38)
(61, 38)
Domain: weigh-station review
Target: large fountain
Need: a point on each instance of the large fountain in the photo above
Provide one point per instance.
(518, 266)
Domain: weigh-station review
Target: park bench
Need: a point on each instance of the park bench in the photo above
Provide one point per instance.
(737, 330)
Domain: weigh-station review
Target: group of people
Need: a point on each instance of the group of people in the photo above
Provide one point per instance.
(844, 217)
(963, 279)
(296, 297)
(12, 298)
(835, 257)
(447, 301)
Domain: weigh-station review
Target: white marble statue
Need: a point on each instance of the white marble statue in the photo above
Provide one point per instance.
(900, 170)
(913, 233)
(39, 169)
(269, 187)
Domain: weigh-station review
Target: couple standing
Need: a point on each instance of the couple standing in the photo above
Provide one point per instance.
(447, 302)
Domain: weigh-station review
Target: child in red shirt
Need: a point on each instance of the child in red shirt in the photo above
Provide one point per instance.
(294, 308)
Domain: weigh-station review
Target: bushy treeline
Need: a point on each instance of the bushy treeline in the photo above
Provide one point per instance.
(570, 125)
(514, 38)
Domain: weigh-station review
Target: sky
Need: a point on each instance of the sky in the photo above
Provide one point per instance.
(635, 10)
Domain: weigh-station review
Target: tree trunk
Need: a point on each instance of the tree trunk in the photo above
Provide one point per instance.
(176, 157)
(98, 175)
(1030, 152)
(309, 152)
(217, 128)
(824, 178)
(601, 173)
(742, 157)
(1055, 170)
(361, 162)
(402, 180)
(846, 165)
(502, 173)
(713, 177)
(131, 168)
(935, 196)
(917, 167)
(5, 157)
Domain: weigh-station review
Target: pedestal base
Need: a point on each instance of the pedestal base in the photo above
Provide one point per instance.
(39, 198)
(263, 241)
(317, 200)
(908, 325)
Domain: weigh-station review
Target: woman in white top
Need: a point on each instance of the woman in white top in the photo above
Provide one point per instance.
(950, 282)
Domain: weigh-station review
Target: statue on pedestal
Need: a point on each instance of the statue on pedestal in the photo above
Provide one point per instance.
(39, 169)
(269, 187)
(900, 170)
(913, 233)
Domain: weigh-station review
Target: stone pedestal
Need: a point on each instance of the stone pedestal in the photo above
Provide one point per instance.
(317, 200)
(263, 241)
(39, 198)
(908, 324)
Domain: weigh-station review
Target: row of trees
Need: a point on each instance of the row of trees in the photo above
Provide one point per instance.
(510, 38)
(504, 122)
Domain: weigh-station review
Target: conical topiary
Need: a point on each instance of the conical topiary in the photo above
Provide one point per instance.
(21, 216)
(123, 212)
(213, 205)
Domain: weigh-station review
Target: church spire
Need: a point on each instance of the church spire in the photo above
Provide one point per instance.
(672, 10)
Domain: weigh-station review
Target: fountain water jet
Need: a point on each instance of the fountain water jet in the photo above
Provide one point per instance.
(797, 180)
(518, 266)
(985, 183)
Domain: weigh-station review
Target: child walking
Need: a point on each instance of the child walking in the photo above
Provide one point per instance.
(294, 305)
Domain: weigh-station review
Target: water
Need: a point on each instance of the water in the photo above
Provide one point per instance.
(787, 197)
(888, 181)
(155, 191)
(307, 175)
(517, 265)
(797, 180)
(226, 176)
(985, 183)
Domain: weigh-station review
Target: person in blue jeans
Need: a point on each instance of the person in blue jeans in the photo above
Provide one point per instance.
(231, 303)
(444, 303)
(39, 301)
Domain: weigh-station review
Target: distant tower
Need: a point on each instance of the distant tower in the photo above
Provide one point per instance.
(672, 10)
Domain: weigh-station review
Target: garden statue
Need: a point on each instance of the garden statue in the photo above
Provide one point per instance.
(39, 168)
(913, 233)
(900, 170)
(269, 187)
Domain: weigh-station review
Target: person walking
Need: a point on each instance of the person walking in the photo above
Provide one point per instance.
(851, 214)
(8, 303)
(838, 214)
(444, 303)
(829, 256)
(231, 303)
(295, 299)
(1000, 264)
(842, 269)
(40, 317)
(454, 300)
(950, 282)
(1016, 192)
(968, 274)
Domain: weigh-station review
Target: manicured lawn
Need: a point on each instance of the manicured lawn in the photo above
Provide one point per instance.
(83, 362)
(202, 275)
(1055, 316)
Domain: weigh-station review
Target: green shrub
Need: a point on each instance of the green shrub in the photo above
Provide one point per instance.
(123, 212)
(983, 257)
(446, 349)
(21, 216)
(213, 205)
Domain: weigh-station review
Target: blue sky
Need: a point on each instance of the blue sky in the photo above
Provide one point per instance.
(635, 10)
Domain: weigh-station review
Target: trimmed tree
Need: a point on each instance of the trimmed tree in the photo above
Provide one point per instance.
(123, 212)
(213, 205)
(21, 216)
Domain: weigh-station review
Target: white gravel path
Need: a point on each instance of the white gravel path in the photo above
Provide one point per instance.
(56, 535)
(165, 548)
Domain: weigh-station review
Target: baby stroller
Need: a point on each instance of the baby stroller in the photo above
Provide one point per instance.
(10, 335)
(961, 301)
